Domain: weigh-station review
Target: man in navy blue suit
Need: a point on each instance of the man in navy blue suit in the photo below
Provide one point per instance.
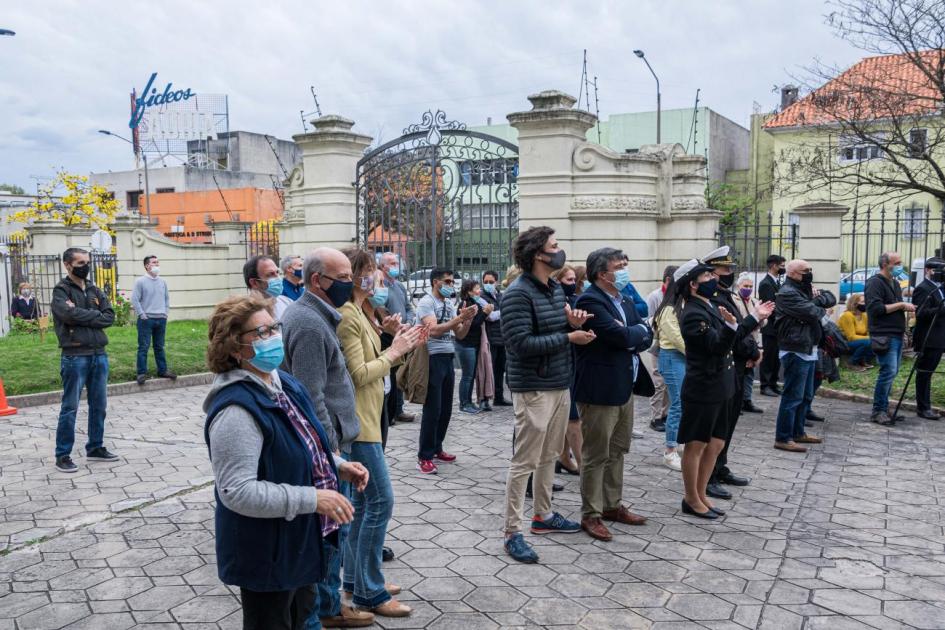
(607, 370)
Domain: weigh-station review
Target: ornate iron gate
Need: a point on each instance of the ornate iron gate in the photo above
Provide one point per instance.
(440, 196)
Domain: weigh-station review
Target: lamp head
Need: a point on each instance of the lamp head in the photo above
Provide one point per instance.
(105, 131)
(638, 53)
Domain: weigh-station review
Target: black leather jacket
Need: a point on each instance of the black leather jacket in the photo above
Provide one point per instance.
(798, 315)
(81, 327)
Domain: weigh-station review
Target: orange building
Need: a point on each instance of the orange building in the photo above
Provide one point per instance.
(184, 216)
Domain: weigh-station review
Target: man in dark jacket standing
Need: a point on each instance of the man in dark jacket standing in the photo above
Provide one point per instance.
(492, 295)
(607, 369)
(886, 325)
(81, 313)
(929, 336)
(799, 308)
(770, 362)
(537, 326)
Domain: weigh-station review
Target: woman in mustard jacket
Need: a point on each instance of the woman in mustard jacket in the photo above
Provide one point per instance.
(853, 323)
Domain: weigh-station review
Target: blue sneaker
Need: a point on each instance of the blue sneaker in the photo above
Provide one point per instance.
(557, 524)
(520, 550)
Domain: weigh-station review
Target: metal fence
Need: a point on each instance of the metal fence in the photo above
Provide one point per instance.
(915, 231)
(43, 273)
(262, 239)
(753, 238)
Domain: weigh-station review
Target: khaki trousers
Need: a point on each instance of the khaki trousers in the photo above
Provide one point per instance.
(541, 419)
(659, 401)
(607, 432)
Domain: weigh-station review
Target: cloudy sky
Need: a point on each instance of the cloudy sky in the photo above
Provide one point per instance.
(70, 67)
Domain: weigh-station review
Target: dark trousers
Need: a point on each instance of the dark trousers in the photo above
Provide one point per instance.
(151, 331)
(734, 411)
(394, 401)
(438, 406)
(924, 368)
(770, 364)
(498, 370)
(91, 372)
(279, 610)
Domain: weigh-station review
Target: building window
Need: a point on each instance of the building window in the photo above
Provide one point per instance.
(134, 199)
(913, 223)
(856, 150)
(918, 142)
(489, 216)
(489, 172)
(158, 191)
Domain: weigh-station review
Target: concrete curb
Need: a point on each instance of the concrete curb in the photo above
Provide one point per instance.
(115, 389)
(840, 394)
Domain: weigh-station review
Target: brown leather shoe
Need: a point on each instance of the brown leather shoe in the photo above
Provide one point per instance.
(406, 417)
(623, 515)
(791, 446)
(809, 439)
(596, 529)
(392, 608)
(349, 618)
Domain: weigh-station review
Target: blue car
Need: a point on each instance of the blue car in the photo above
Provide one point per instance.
(855, 281)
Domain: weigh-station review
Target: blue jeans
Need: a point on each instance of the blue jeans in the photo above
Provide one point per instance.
(467, 361)
(328, 590)
(365, 545)
(861, 351)
(747, 381)
(89, 371)
(672, 365)
(888, 368)
(151, 330)
(796, 397)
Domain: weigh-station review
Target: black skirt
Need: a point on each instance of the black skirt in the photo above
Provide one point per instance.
(702, 421)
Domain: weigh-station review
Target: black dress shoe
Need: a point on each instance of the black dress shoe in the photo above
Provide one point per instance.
(734, 480)
(658, 424)
(777, 390)
(708, 514)
(387, 554)
(717, 511)
(501, 402)
(928, 414)
(813, 417)
(716, 491)
(557, 487)
(767, 391)
(749, 407)
(561, 469)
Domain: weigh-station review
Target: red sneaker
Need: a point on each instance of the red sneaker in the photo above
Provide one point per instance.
(443, 456)
(426, 466)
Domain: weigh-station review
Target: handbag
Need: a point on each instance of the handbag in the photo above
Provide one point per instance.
(879, 344)
(832, 342)
(643, 385)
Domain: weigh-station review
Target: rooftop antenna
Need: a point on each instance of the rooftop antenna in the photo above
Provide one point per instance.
(302, 117)
(318, 108)
(226, 206)
(597, 109)
(583, 79)
(285, 173)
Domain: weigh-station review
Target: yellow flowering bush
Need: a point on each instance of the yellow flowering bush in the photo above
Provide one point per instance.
(82, 205)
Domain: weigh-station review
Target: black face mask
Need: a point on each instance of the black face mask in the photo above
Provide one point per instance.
(339, 292)
(780, 271)
(81, 272)
(727, 280)
(707, 289)
(861, 308)
(807, 278)
(569, 289)
(557, 259)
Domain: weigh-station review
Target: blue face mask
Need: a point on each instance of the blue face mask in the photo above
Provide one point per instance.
(621, 279)
(297, 273)
(489, 287)
(587, 285)
(379, 298)
(393, 272)
(447, 291)
(274, 288)
(269, 353)
(897, 271)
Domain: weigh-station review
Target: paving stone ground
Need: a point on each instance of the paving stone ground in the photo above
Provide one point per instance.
(848, 536)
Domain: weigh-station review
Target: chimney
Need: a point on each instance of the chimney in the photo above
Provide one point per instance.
(788, 96)
(489, 120)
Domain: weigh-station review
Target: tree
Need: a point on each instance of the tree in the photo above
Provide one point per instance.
(733, 201)
(884, 115)
(12, 188)
(82, 204)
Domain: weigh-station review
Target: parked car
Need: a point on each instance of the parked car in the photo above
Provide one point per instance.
(418, 282)
(855, 282)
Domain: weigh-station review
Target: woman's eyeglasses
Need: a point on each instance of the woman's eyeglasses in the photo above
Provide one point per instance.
(265, 332)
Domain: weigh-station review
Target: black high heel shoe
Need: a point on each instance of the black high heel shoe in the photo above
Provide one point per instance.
(561, 469)
(708, 514)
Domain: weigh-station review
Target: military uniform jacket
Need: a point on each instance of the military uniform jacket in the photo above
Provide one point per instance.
(710, 365)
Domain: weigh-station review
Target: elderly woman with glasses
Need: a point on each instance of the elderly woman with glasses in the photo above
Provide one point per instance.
(278, 505)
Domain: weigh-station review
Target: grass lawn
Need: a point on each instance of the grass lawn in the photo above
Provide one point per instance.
(28, 366)
(863, 383)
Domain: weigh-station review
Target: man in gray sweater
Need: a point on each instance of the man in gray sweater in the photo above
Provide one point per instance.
(151, 301)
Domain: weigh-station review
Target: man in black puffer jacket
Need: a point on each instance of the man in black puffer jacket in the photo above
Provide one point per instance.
(537, 327)
(798, 311)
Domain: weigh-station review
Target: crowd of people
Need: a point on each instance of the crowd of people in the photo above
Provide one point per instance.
(314, 363)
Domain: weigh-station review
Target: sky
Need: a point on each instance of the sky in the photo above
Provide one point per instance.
(70, 67)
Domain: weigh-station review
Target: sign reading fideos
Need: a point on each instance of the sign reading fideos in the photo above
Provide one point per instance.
(150, 97)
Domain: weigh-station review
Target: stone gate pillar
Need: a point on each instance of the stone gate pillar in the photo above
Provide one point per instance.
(819, 241)
(547, 138)
(320, 206)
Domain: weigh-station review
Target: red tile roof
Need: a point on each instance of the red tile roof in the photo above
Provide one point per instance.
(873, 88)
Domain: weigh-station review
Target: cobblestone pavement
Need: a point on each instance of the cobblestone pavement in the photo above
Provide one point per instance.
(848, 536)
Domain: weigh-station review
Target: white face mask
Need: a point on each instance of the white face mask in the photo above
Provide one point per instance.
(155, 270)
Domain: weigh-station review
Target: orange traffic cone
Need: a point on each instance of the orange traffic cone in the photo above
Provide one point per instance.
(5, 408)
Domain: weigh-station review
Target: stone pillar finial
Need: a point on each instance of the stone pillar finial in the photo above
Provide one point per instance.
(332, 122)
(551, 99)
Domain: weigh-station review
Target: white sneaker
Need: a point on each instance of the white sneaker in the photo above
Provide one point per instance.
(672, 460)
(637, 435)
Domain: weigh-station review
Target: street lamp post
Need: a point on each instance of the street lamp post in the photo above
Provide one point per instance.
(639, 53)
(147, 187)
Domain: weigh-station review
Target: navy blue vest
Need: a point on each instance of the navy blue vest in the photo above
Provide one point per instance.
(271, 554)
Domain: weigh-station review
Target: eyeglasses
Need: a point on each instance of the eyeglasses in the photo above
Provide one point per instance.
(264, 332)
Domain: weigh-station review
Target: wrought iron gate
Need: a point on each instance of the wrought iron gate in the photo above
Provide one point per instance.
(440, 196)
